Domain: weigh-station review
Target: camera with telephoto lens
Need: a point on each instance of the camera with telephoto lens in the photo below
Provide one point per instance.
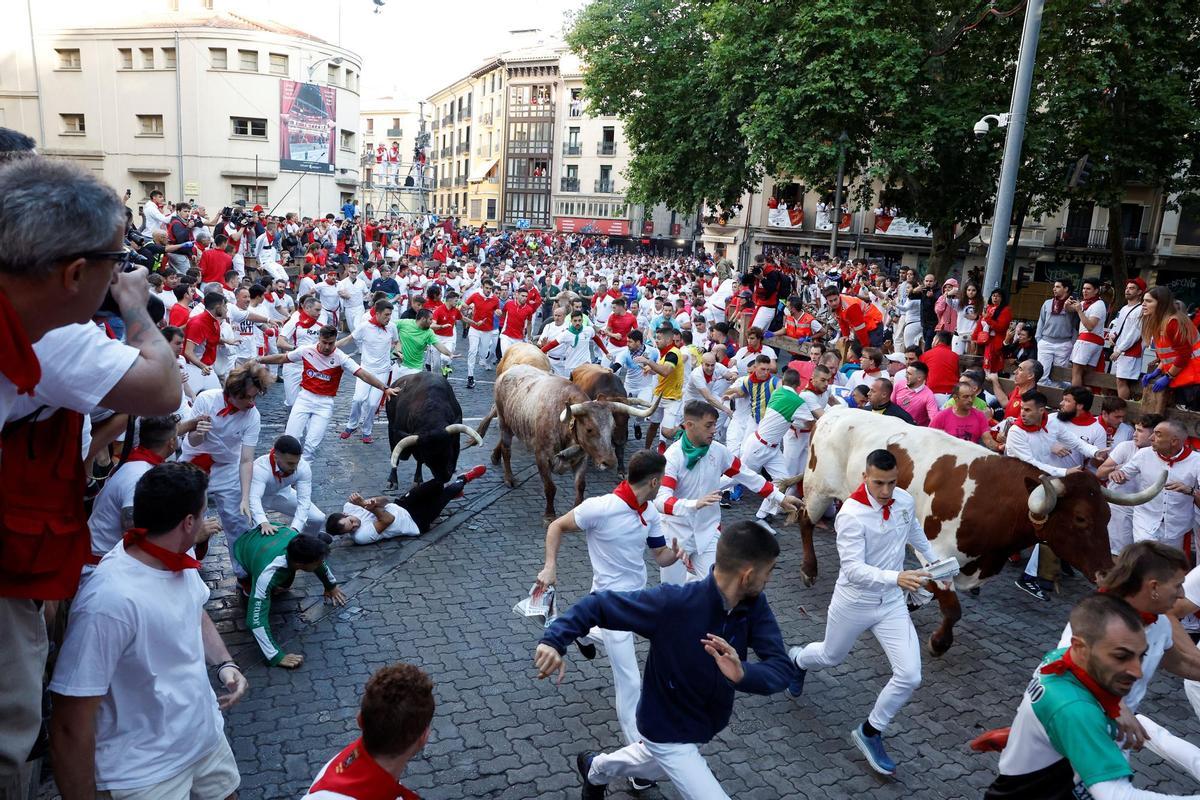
(154, 306)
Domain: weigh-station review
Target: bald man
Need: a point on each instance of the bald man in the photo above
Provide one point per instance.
(1168, 517)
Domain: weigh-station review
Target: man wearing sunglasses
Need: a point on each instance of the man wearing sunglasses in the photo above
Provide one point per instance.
(57, 264)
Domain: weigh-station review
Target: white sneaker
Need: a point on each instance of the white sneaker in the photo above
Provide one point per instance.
(762, 521)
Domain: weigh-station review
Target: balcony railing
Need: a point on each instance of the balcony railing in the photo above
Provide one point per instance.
(569, 185)
(572, 149)
(529, 147)
(606, 148)
(447, 152)
(443, 182)
(465, 113)
(605, 187)
(1098, 239)
(528, 182)
(461, 180)
(395, 133)
(463, 147)
(493, 178)
(434, 124)
(448, 119)
(576, 109)
(545, 109)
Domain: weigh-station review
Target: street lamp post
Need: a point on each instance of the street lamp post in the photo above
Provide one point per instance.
(998, 247)
(837, 195)
(335, 60)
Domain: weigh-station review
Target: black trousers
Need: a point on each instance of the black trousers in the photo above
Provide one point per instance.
(425, 502)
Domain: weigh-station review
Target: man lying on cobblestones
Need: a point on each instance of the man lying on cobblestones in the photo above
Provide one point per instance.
(134, 713)
(272, 561)
(700, 634)
(395, 718)
(370, 520)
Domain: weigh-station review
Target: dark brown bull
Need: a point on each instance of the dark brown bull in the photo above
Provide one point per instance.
(599, 383)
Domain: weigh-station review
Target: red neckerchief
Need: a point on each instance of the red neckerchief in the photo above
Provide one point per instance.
(1175, 459)
(176, 562)
(753, 350)
(1110, 432)
(230, 408)
(1148, 619)
(374, 320)
(1083, 419)
(270, 237)
(140, 453)
(1020, 423)
(18, 362)
(305, 321)
(279, 476)
(1110, 702)
(1087, 303)
(860, 494)
(707, 378)
(625, 492)
(1056, 305)
(757, 380)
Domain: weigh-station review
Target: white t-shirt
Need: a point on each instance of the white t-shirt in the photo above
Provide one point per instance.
(117, 494)
(80, 365)
(616, 541)
(134, 639)
(229, 433)
(357, 289)
(248, 333)
(402, 525)
(375, 344)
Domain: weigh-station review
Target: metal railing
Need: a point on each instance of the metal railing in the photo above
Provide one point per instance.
(1098, 239)
(465, 113)
(606, 148)
(527, 182)
(443, 182)
(576, 109)
(531, 110)
(461, 180)
(446, 152)
(570, 149)
(395, 133)
(605, 187)
(569, 185)
(463, 147)
(448, 119)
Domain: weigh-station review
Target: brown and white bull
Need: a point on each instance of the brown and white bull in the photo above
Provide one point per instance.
(977, 506)
(559, 424)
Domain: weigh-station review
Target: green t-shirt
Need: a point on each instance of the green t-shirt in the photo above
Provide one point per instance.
(413, 342)
(1059, 718)
(979, 403)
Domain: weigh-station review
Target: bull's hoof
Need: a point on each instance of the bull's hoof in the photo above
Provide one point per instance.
(390, 487)
(495, 457)
(510, 481)
(939, 645)
(809, 580)
(549, 516)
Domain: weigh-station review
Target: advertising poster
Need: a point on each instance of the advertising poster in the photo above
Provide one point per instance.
(307, 127)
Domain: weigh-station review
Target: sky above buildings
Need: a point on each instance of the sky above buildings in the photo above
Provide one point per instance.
(409, 49)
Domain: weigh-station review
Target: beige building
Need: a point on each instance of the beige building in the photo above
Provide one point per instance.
(190, 103)
(394, 177)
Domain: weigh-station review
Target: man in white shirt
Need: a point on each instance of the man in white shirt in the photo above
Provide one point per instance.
(266, 250)
(874, 527)
(1125, 337)
(708, 381)
(246, 323)
(817, 397)
(282, 481)
(331, 299)
(1093, 314)
(155, 214)
(764, 448)
(353, 291)
(303, 329)
(378, 518)
(1075, 422)
(1120, 521)
(139, 622)
(376, 337)
(744, 358)
(1170, 515)
(619, 528)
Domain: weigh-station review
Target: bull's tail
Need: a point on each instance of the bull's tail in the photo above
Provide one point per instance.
(486, 421)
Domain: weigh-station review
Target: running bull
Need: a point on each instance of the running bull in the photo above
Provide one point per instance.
(977, 506)
(425, 424)
(599, 383)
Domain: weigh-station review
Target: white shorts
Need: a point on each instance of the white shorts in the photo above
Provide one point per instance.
(669, 413)
(1128, 368)
(213, 777)
(1086, 354)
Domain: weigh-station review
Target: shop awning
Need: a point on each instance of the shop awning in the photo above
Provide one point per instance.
(481, 171)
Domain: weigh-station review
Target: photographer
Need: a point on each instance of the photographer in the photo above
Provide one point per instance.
(179, 233)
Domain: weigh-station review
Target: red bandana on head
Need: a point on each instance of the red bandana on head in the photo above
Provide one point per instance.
(1108, 701)
(231, 409)
(625, 492)
(860, 494)
(176, 562)
(18, 362)
(1171, 461)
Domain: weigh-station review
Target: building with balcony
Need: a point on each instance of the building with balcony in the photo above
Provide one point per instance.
(386, 189)
(187, 103)
(450, 147)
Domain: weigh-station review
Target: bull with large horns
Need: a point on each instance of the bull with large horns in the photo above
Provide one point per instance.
(425, 424)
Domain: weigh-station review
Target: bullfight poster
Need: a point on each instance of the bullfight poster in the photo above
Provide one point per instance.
(307, 126)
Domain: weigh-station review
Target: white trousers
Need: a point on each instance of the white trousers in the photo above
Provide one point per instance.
(479, 342)
(291, 382)
(447, 342)
(285, 503)
(757, 456)
(627, 677)
(912, 333)
(795, 451)
(1054, 354)
(308, 421)
(1120, 528)
(354, 314)
(506, 342)
(365, 404)
(763, 316)
(889, 620)
(736, 432)
(225, 495)
(681, 764)
(1160, 534)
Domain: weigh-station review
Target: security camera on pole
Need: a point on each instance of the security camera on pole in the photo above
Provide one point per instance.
(1015, 122)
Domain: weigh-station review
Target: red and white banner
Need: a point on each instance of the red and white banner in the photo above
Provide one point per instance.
(823, 223)
(595, 227)
(889, 225)
(780, 216)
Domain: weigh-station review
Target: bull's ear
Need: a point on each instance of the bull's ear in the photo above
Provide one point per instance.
(1031, 484)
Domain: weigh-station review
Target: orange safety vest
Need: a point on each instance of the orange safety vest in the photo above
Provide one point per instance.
(798, 327)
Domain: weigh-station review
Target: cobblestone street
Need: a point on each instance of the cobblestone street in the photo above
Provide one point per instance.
(444, 602)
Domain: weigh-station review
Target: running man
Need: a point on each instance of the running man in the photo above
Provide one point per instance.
(376, 337)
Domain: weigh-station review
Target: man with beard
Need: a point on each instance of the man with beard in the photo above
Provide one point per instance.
(1075, 418)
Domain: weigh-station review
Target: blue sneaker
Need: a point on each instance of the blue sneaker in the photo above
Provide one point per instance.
(736, 493)
(872, 748)
(796, 687)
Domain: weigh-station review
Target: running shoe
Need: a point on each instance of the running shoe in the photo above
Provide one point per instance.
(583, 763)
(474, 472)
(470, 381)
(367, 439)
(872, 748)
(1031, 585)
(796, 687)
(346, 434)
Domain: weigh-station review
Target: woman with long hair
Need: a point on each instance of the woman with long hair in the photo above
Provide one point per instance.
(968, 315)
(1166, 328)
(994, 324)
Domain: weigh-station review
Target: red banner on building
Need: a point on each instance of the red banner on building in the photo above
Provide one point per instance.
(596, 227)
(648, 227)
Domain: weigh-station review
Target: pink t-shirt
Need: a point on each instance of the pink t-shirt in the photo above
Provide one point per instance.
(971, 427)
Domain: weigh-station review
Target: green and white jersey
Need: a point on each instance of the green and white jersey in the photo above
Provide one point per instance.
(777, 417)
(1060, 719)
(265, 559)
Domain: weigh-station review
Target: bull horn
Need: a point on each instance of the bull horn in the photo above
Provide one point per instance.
(573, 410)
(467, 429)
(401, 446)
(635, 412)
(1137, 498)
(1043, 499)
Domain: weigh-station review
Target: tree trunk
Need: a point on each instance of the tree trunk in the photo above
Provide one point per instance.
(1010, 253)
(945, 247)
(1116, 243)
